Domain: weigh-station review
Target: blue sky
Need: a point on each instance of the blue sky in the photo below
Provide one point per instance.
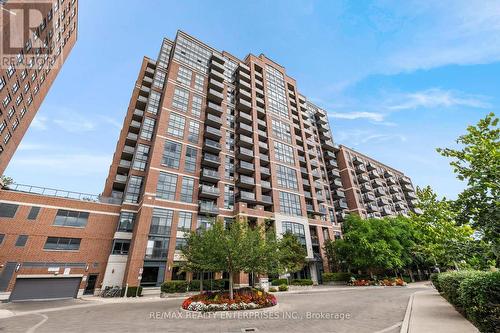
(397, 78)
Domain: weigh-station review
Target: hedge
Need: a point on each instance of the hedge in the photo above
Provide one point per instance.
(181, 286)
(435, 281)
(279, 282)
(283, 287)
(174, 286)
(132, 291)
(335, 277)
(477, 294)
(301, 282)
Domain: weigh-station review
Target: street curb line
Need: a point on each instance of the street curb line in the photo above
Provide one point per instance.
(405, 326)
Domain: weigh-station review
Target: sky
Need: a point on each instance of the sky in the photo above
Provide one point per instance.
(398, 78)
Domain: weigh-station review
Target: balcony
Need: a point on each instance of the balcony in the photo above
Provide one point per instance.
(244, 154)
(304, 171)
(210, 192)
(135, 124)
(210, 175)
(245, 141)
(212, 133)
(266, 200)
(215, 96)
(386, 210)
(393, 189)
(374, 174)
(336, 183)
(316, 174)
(266, 185)
(330, 164)
(307, 194)
(212, 146)
(341, 204)
(391, 181)
(388, 174)
(363, 178)
(360, 168)
(335, 173)
(125, 164)
(138, 113)
(377, 183)
(260, 101)
(216, 85)
(142, 99)
(262, 124)
(302, 159)
(210, 160)
(383, 202)
(407, 188)
(218, 66)
(397, 198)
(371, 208)
(262, 135)
(214, 109)
(264, 172)
(328, 144)
(244, 76)
(245, 196)
(369, 197)
(418, 211)
(356, 160)
(370, 166)
(400, 207)
(121, 178)
(243, 105)
(128, 150)
(245, 182)
(263, 147)
(413, 203)
(245, 168)
(208, 208)
(245, 95)
(306, 183)
(244, 117)
(244, 129)
(380, 192)
(411, 195)
(338, 194)
(244, 85)
(366, 188)
(260, 111)
(214, 74)
(132, 136)
(405, 180)
(340, 216)
(264, 159)
(309, 208)
(213, 120)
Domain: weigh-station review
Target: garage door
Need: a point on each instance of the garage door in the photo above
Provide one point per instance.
(45, 288)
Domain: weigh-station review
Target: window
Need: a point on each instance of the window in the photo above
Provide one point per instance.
(185, 220)
(283, 152)
(141, 157)
(296, 229)
(230, 141)
(2, 237)
(171, 154)
(159, 79)
(157, 248)
(180, 100)
(180, 243)
(21, 240)
(7, 137)
(71, 218)
(15, 87)
(147, 128)
(176, 125)
(196, 106)
(229, 168)
(281, 130)
(167, 184)
(228, 197)
(133, 189)
(126, 222)
(6, 100)
(10, 71)
(190, 161)
(3, 126)
(184, 75)
(33, 214)
(8, 210)
(2, 83)
(161, 222)
(62, 244)
(326, 234)
(287, 177)
(199, 82)
(153, 102)
(276, 97)
(187, 189)
(290, 204)
(193, 131)
(121, 246)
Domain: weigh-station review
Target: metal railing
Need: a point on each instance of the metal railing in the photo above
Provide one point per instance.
(62, 193)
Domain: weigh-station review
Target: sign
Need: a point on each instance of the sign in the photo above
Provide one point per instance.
(53, 269)
(67, 270)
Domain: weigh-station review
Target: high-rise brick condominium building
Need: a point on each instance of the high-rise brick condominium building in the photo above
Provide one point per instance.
(206, 136)
(31, 55)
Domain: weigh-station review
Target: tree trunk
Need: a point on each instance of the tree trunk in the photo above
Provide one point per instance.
(201, 283)
(231, 295)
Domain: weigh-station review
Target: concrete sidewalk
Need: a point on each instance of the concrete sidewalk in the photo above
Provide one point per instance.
(429, 312)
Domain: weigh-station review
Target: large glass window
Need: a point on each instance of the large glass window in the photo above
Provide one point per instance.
(159, 79)
(157, 248)
(190, 161)
(133, 189)
(290, 204)
(126, 222)
(71, 218)
(228, 197)
(161, 222)
(184, 75)
(153, 102)
(276, 96)
(187, 189)
(62, 244)
(180, 243)
(296, 229)
(176, 125)
(120, 246)
(147, 129)
(196, 106)
(171, 154)
(283, 152)
(229, 168)
(192, 53)
(141, 157)
(185, 220)
(180, 100)
(199, 81)
(8, 210)
(193, 131)
(281, 130)
(287, 177)
(167, 185)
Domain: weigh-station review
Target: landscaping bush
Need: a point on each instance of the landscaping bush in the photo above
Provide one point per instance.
(435, 281)
(449, 282)
(301, 282)
(194, 285)
(174, 286)
(406, 278)
(222, 284)
(132, 291)
(283, 287)
(244, 299)
(279, 282)
(273, 290)
(480, 299)
(336, 277)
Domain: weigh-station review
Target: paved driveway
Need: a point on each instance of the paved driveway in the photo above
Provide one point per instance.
(354, 310)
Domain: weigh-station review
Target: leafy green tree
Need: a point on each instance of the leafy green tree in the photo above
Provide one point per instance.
(291, 254)
(6, 181)
(477, 162)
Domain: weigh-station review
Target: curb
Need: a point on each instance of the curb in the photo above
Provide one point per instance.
(405, 326)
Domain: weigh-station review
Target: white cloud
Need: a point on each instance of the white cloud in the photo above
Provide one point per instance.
(433, 98)
(75, 124)
(31, 147)
(39, 123)
(112, 121)
(357, 115)
(76, 164)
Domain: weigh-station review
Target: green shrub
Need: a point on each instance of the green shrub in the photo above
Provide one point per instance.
(301, 282)
(174, 286)
(406, 278)
(132, 291)
(450, 282)
(279, 282)
(480, 298)
(435, 281)
(221, 284)
(273, 290)
(336, 277)
(194, 285)
(283, 287)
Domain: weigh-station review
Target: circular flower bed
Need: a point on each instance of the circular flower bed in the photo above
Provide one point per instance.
(244, 299)
(384, 282)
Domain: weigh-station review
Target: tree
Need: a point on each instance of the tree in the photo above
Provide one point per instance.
(478, 163)
(6, 181)
(291, 254)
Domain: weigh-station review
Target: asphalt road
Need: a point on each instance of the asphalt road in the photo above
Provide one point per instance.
(356, 310)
